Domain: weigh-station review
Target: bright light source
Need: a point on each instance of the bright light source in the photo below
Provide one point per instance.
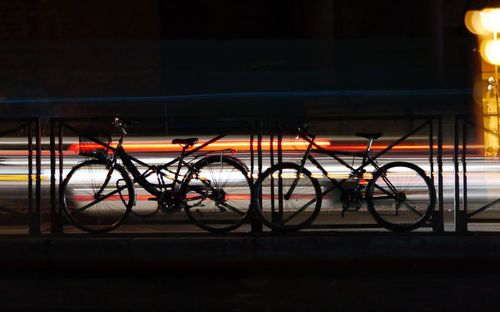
(474, 24)
(490, 19)
(490, 51)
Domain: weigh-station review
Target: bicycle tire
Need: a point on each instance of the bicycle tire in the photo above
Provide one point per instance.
(217, 194)
(399, 185)
(102, 214)
(306, 193)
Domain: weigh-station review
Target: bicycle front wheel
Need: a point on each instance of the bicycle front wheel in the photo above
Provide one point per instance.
(400, 196)
(287, 197)
(96, 197)
(217, 194)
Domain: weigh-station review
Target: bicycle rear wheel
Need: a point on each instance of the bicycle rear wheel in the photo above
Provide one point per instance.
(285, 199)
(217, 194)
(95, 197)
(400, 196)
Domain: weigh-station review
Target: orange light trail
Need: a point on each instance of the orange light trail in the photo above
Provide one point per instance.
(146, 147)
(216, 146)
(150, 147)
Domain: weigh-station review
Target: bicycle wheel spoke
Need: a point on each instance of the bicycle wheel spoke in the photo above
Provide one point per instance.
(81, 187)
(293, 185)
(413, 209)
(291, 204)
(92, 203)
(296, 213)
(217, 196)
(233, 209)
(401, 197)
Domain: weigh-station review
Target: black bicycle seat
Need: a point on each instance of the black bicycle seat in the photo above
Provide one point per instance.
(369, 135)
(185, 142)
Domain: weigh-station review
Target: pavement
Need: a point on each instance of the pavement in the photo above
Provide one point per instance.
(310, 271)
(167, 251)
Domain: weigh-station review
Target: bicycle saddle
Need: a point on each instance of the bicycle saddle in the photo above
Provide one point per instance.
(185, 142)
(369, 135)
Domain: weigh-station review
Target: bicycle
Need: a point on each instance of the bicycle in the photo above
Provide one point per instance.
(399, 195)
(98, 194)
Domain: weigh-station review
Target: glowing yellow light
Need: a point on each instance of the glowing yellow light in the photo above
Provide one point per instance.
(17, 177)
(490, 51)
(486, 24)
(474, 23)
(490, 19)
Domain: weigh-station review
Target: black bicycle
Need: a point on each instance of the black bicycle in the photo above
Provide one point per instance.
(213, 189)
(399, 195)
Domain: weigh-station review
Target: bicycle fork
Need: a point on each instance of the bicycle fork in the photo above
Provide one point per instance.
(288, 194)
(97, 195)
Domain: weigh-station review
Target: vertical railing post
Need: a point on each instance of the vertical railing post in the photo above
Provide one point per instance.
(36, 216)
(280, 179)
(55, 220)
(252, 154)
(464, 174)
(456, 173)
(438, 217)
(30, 179)
(271, 159)
(259, 147)
(256, 226)
(38, 186)
(61, 167)
(431, 149)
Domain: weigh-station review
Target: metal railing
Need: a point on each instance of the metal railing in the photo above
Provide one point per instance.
(28, 130)
(467, 214)
(62, 127)
(257, 131)
(430, 125)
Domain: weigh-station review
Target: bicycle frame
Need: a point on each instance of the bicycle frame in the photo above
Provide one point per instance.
(367, 160)
(212, 188)
(141, 178)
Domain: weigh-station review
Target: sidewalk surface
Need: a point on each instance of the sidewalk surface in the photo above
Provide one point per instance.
(295, 272)
(167, 251)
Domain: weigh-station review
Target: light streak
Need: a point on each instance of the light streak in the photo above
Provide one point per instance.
(147, 197)
(245, 146)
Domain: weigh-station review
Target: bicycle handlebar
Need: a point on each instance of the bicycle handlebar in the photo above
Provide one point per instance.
(305, 131)
(120, 124)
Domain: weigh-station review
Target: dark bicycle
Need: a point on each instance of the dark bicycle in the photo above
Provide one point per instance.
(399, 195)
(213, 189)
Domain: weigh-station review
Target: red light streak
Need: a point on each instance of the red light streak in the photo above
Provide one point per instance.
(294, 196)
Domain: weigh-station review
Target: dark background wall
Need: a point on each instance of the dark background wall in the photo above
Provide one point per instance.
(226, 19)
(322, 56)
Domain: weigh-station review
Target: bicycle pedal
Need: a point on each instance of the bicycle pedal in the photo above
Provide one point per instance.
(153, 199)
